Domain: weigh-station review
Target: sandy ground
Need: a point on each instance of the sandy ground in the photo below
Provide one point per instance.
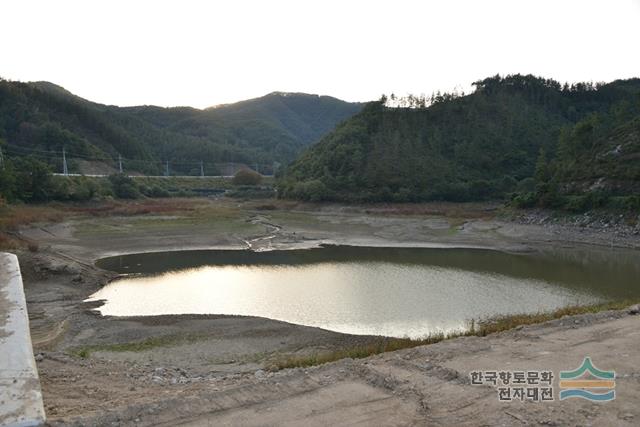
(211, 370)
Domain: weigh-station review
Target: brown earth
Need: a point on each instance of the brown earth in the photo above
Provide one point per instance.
(211, 370)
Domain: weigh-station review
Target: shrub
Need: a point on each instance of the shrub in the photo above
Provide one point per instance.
(480, 189)
(597, 199)
(575, 203)
(403, 195)
(157, 191)
(75, 188)
(452, 191)
(313, 191)
(525, 200)
(526, 185)
(247, 177)
(549, 196)
(267, 207)
(7, 182)
(124, 187)
(624, 203)
(33, 180)
(251, 192)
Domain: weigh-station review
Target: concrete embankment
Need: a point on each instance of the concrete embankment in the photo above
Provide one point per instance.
(20, 395)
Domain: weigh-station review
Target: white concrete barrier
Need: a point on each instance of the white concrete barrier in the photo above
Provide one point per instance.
(20, 395)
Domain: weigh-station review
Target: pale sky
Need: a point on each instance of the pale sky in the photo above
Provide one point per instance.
(203, 53)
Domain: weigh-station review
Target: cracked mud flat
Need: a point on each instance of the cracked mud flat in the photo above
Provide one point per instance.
(210, 370)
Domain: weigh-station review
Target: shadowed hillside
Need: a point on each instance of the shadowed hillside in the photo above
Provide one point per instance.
(41, 118)
(481, 146)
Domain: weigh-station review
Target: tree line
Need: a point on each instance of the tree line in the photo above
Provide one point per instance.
(481, 146)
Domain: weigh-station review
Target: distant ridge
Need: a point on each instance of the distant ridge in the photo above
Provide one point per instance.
(42, 117)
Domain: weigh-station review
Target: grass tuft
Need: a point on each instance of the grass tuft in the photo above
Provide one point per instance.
(479, 328)
(361, 351)
(135, 346)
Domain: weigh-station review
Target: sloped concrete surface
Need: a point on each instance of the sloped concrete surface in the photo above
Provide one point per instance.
(20, 395)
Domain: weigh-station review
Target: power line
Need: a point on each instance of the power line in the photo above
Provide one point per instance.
(36, 155)
(63, 156)
(46, 153)
(54, 155)
(20, 147)
(35, 152)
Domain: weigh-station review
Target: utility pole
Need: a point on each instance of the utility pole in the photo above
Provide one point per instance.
(257, 170)
(201, 169)
(120, 162)
(65, 170)
(166, 168)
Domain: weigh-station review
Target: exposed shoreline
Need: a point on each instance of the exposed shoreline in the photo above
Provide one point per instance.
(228, 350)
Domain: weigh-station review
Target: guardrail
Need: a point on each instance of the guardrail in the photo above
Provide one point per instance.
(20, 394)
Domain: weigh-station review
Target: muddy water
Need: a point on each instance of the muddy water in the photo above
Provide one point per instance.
(382, 291)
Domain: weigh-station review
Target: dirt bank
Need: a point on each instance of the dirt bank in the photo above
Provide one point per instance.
(427, 385)
(172, 369)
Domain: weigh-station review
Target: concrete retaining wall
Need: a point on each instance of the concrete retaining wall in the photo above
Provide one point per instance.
(20, 395)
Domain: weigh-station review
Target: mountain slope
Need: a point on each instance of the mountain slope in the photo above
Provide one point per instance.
(479, 146)
(305, 117)
(600, 153)
(40, 118)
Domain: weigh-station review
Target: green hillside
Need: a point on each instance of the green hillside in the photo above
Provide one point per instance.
(41, 118)
(596, 164)
(481, 146)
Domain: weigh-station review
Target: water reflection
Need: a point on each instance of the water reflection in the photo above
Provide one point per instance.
(382, 291)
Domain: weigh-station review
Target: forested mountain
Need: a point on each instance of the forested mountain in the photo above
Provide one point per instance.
(596, 162)
(480, 146)
(41, 118)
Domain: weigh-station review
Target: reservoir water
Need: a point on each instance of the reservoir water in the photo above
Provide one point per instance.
(400, 292)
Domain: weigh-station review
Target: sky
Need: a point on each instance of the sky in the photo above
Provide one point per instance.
(204, 53)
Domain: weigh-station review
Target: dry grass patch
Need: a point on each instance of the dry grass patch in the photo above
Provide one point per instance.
(137, 207)
(15, 216)
(470, 210)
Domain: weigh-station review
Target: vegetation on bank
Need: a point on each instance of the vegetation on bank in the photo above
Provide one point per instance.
(136, 346)
(12, 218)
(476, 328)
(480, 328)
(596, 165)
(528, 141)
(508, 139)
(190, 210)
(247, 177)
(29, 180)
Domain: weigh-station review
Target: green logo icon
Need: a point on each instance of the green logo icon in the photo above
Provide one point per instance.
(588, 382)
